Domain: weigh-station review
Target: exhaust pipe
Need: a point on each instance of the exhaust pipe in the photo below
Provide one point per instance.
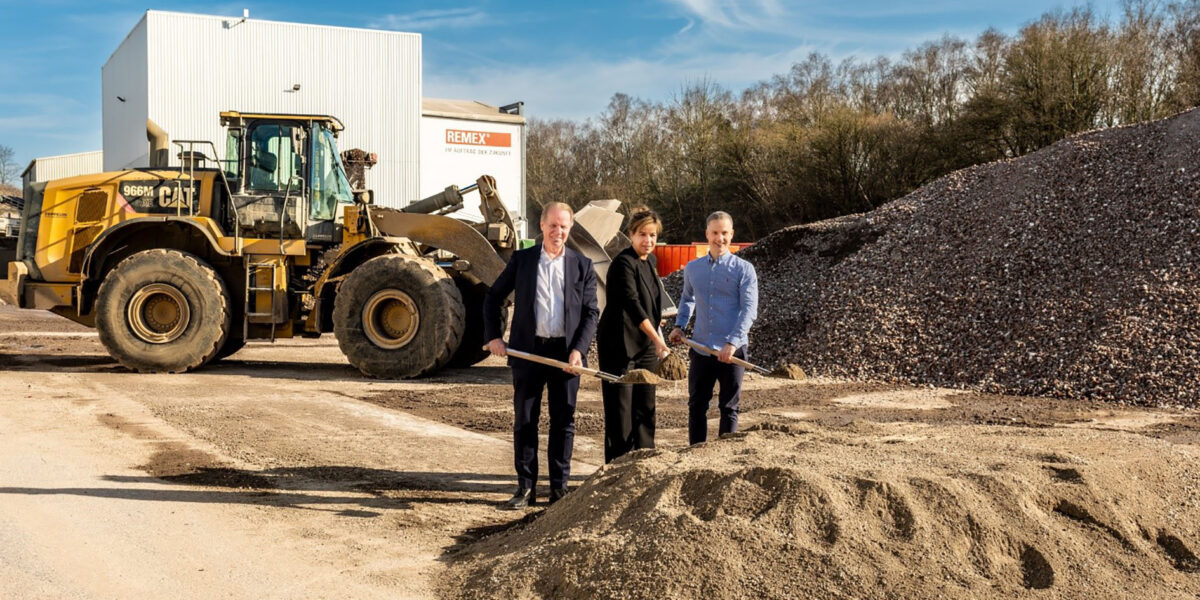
(160, 156)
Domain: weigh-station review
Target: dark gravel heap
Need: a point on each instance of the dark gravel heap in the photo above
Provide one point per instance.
(1071, 272)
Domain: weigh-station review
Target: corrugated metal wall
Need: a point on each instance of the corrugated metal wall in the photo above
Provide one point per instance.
(198, 66)
(124, 103)
(67, 165)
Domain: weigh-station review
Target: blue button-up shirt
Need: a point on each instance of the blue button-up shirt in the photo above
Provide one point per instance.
(724, 295)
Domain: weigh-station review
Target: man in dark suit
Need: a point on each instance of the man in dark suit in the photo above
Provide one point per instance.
(554, 315)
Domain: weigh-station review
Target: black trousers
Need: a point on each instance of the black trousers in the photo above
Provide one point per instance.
(529, 380)
(704, 373)
(628, 408)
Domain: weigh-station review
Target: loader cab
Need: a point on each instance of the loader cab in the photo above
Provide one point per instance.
(286, 176)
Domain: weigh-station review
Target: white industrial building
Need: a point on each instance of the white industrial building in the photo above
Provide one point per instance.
(463, 139)
(66, 165)
(181, 70)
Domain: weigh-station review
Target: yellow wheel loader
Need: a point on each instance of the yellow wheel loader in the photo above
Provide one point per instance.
(180, 266)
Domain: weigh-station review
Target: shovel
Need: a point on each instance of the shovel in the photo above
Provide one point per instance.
(630, 377)
(698, 347)
(562, 365)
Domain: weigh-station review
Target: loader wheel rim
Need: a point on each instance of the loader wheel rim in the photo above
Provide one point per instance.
(158, 313)
(391, 319)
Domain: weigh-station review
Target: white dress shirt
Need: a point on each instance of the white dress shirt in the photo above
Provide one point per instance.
(550, 290)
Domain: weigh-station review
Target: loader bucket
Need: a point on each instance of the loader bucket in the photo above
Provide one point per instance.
(445, 233)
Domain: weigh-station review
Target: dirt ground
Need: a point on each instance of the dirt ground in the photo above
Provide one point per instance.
(281, 472)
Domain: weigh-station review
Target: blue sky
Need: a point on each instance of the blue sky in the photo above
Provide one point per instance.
(564, 59)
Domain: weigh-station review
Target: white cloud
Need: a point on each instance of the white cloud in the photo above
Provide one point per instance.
(425, 20)
(754, 15)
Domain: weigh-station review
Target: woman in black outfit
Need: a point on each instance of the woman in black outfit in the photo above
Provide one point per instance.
(628, 337)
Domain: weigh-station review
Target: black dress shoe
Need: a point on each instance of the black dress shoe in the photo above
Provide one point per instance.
(522, 499)
(556, 494)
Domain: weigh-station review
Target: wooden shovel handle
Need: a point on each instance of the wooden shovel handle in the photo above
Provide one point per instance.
(701, 348)
(560, 364)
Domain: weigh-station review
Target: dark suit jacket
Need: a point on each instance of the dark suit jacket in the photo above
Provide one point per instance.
(520, 277)
(632, 297)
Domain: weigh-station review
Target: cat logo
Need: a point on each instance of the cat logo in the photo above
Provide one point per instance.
(167, 199)
(158, 195)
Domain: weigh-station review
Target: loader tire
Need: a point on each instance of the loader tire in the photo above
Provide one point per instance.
(471, 350)
(398, 317)
(231, 346)
(162, 311)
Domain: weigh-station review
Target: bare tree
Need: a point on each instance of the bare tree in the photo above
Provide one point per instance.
(931, 81)
(1056, 76)
(983, 76)
(1143, 75)
(9, 169)
(1185, 39)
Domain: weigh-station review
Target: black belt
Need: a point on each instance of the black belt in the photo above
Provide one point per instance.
(549, 340)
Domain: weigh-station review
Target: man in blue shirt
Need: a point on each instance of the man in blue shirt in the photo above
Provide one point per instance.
(722, 290)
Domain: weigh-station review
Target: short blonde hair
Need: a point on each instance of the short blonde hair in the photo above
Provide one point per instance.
(553, 206)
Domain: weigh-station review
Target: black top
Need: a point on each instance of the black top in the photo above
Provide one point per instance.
(634, 295)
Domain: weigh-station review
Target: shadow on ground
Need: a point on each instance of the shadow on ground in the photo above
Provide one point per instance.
(321, 488)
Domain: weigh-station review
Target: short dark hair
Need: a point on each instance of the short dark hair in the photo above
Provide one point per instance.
(720, 214)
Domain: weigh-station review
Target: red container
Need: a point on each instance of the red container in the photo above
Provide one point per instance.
(672, 257)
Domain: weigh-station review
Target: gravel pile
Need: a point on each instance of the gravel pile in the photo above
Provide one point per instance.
(881, 511)
(1071, 272)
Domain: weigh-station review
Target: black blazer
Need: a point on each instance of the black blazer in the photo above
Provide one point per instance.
(632, 297)
(580, 309)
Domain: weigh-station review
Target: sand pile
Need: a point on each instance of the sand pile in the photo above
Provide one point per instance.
(674, 367)
(789, 371)
(645, 376)
(870, 511)
(1071, 272)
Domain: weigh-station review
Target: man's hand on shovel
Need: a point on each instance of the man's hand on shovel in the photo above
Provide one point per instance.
(576, 361)
(676, 337)
(702, 349)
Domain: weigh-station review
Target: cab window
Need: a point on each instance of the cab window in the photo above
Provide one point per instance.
(232, 144)
(329, 183)
(271, 164)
